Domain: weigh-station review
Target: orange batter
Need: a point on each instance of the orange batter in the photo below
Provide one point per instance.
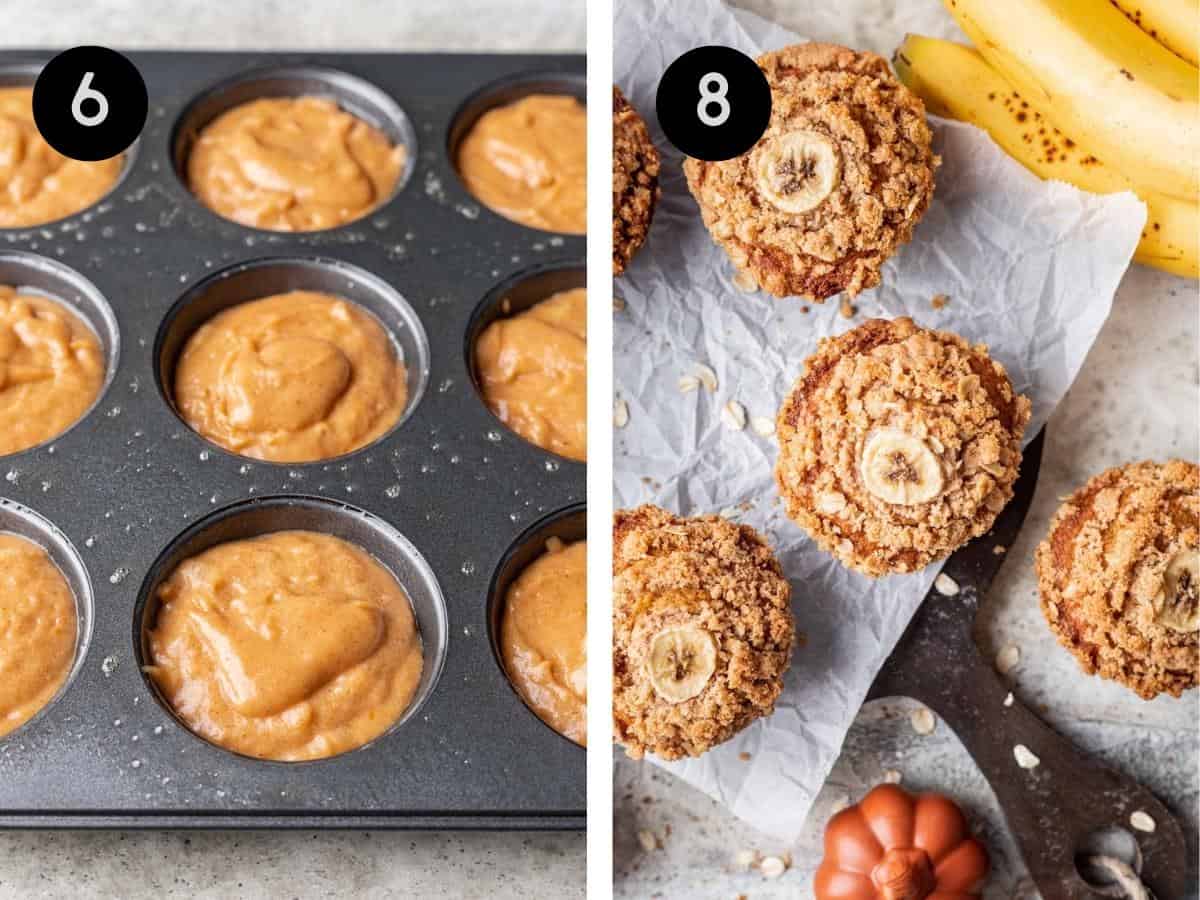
(289, 646)
(528, 162)
(543, 637)
(533, 373)
(38, 628)
(293, 377)
(37, 183)
(51, 369)
(293, 164)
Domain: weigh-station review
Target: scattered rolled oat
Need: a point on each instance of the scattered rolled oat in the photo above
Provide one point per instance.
(620, 414)
(999, 549)
(922, 720)
(891, 776)
(728, 512)
(946, 586)
(648, 841)
(688, 383)
(763, 426)
(772, 867)
(1008, 699)
(1007, 659)
(707, 377)
(1025, 757)
(733, 414)
(1142, 821)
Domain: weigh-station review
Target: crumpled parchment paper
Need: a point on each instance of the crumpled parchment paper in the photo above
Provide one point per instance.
(1029, 267)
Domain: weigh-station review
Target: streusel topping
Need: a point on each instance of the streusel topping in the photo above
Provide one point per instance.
(635, 181)
(839, 179)
(702, 631)
(1118, 576)
(898, 445)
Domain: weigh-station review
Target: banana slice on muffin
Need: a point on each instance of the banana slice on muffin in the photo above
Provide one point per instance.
(1119, 574)
(702, 631)
(898, 445)
(836, 183)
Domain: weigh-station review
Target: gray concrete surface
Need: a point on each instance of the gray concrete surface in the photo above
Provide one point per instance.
(1136, 398)
(249, 866)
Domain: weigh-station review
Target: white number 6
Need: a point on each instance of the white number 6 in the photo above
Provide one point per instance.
(86, 92)
(715, 98)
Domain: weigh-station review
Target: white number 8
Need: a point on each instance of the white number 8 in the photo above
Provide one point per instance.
(715, 98)
(87, 92)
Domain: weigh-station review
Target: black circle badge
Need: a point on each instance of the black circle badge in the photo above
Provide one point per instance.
(90, 103)
(714, 103)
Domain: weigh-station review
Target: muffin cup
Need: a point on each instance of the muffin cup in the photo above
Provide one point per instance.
(266, 515)
(355, 95)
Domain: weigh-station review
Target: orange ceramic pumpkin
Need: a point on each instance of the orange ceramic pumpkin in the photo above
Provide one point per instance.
(894, 846)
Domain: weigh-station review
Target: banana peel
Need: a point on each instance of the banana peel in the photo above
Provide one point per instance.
(956, 82)
(1173, 23)
(1099, 78)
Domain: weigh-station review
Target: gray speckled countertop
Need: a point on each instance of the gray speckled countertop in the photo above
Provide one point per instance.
(1136, 398)
(233, 866)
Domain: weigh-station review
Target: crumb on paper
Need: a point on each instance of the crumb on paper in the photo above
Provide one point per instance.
(648, 841)
(891, 776)
(746, 859)
(763, 426)
(744, 756)
(999, 549)
(847, 309)
(618, 303)
(939, 301)
(745, 282)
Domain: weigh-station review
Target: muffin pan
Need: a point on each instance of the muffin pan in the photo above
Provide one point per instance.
(442, 500)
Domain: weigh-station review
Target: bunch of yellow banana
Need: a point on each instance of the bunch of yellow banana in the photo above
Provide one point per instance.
(1076, 90)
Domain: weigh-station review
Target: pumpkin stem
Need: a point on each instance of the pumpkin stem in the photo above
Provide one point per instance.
(904, 874)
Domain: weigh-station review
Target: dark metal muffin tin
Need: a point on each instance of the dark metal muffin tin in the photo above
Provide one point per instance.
(447, 500)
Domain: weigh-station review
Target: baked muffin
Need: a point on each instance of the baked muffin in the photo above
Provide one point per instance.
(837, 182)
(898, 445)
(1119, 573)
(635, 181)
(702, 631)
